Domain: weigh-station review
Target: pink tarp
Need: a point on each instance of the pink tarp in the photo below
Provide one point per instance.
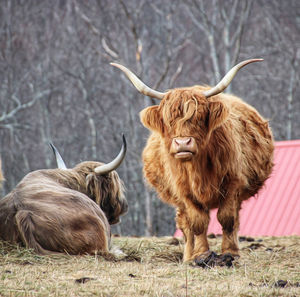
(275, 210)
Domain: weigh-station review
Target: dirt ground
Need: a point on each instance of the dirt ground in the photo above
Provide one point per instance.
(268, 266)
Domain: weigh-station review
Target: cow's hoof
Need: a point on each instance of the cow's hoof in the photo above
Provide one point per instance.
(225, 260)
(206, 260)
(211, 259)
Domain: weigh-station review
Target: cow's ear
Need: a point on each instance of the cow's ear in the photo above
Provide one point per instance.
(151, 119)
(93, 187)
(217, 114)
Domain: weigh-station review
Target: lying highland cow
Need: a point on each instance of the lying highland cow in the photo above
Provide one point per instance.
(65, 210)
(206, 150)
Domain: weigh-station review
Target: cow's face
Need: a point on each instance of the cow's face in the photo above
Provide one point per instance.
(113, 202)
(185, 119)
(107, 190)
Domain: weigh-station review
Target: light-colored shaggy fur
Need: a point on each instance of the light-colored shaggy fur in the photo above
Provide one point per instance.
(234, 157)
(63, 210)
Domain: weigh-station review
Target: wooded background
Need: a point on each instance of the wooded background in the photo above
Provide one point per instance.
(56, 83)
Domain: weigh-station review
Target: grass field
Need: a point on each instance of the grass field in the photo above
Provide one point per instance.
(268, 266)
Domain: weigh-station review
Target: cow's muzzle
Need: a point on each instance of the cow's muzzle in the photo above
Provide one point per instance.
(183, 148)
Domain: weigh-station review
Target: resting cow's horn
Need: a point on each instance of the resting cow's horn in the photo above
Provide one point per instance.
(59, 161)
(114, 164)
(226, 80)
(141, 87)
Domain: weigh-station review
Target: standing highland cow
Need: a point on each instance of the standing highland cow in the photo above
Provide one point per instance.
(206, 150)
(65, 210)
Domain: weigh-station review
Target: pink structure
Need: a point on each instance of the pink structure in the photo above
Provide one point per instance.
(275, 210)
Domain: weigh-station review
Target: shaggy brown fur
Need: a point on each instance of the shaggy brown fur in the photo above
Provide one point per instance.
(63, 210)
(232, 158)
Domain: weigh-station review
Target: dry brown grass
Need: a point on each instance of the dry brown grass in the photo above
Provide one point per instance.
(153, 267)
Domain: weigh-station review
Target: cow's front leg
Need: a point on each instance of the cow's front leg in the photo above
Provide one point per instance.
(228, 216)
(198, 219)
(183, 224)
(200, 225)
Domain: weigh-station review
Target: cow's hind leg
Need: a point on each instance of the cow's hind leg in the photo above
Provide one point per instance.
(83, 234)
(26, 228)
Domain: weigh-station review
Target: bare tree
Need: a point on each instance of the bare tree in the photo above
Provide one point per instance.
(57, 84)
(283, 41)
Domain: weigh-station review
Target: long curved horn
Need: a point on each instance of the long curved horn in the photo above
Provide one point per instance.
(141, 87)
(59, 161)
(226, 80)
(114, 164)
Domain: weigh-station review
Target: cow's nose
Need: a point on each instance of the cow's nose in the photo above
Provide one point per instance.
(183, 147)
(183, 141)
